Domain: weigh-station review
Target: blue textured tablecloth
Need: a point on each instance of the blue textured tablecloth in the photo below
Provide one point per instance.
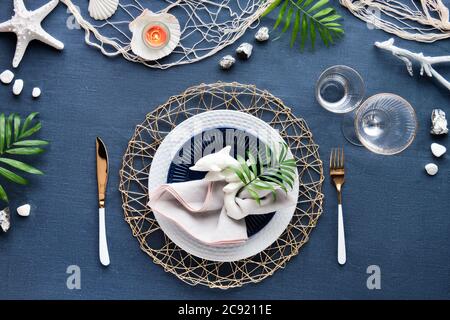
(396, 216)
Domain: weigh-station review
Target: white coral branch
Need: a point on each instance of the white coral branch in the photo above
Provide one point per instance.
(409, 57)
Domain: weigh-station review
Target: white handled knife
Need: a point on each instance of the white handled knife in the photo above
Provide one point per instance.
(102, 180)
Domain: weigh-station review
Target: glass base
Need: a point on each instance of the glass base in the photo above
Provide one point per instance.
(348, 129)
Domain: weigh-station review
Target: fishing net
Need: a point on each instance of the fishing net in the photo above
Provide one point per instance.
(207, 26)
(418, 20)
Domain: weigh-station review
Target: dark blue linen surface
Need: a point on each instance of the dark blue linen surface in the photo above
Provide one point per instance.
(396, 216)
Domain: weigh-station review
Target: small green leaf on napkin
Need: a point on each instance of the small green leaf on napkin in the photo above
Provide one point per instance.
(277, 172)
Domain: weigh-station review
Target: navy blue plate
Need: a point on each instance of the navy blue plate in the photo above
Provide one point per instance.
(212, 141)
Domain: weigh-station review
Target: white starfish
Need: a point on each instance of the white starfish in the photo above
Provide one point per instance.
(27, 26)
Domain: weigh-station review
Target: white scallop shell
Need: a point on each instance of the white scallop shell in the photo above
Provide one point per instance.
(138, 26)
(102, 9)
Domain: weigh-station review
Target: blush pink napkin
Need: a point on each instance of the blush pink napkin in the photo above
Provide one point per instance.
(211, 211)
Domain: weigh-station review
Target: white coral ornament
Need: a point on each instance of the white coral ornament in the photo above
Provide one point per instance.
(155, 35)
(426, 62)
(102, 9)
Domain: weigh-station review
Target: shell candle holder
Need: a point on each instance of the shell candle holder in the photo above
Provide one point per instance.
(155, 35)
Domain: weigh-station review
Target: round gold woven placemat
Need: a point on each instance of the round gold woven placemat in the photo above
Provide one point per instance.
(138, 159)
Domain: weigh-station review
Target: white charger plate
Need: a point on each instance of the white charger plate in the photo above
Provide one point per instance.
(168, 150)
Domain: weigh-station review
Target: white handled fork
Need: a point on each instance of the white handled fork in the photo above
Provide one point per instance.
(337, 175)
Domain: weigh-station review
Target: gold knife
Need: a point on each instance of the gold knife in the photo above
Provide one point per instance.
(102, 180)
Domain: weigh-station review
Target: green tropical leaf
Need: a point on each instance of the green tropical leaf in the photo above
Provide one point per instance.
(30, 143)
(311, 17)
(290, 169)
(281, 14)
(25, 151)
(11, 176)
(254, 195)
(262, 185)
(12, 135)
(253, 166)
(245, 169)
(271, 7)
(323, 12)
(31, 131)
(3, 195)
(28, 121)
(16, 126)
(290, 162)
(319, 4)
(288, 19)
(295, 28)
(307, 3)
(312, 34)
(21, 166)
(8, 130)
(239, 174)
(276, 182)
(283, 153)
(304, 31)
(279, 172)
(2, 132)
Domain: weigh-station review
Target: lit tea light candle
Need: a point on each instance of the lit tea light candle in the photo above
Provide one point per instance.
(156, 35)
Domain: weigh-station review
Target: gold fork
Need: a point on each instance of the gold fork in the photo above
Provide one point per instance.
(337, 175)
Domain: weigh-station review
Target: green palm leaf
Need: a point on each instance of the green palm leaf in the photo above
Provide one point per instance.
(30, 143)
(277, 173)
(3, 195)
(306, 18)
(21, 166)
(28, 121)
(25, 151)
(11, 176)
(13, 142)
(2, 132)
(8, 130)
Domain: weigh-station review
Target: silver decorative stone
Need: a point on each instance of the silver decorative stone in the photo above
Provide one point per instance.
(5, 219)
(438, 122)
(227, 62)
(262, 34)
(244, 51)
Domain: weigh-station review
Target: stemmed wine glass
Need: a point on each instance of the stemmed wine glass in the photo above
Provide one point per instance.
(386, 124)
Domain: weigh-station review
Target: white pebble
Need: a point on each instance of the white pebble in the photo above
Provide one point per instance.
(36, 92)
(438, 149)
(24, 210)
(18, 87)
(431, 169)
(6, 77)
